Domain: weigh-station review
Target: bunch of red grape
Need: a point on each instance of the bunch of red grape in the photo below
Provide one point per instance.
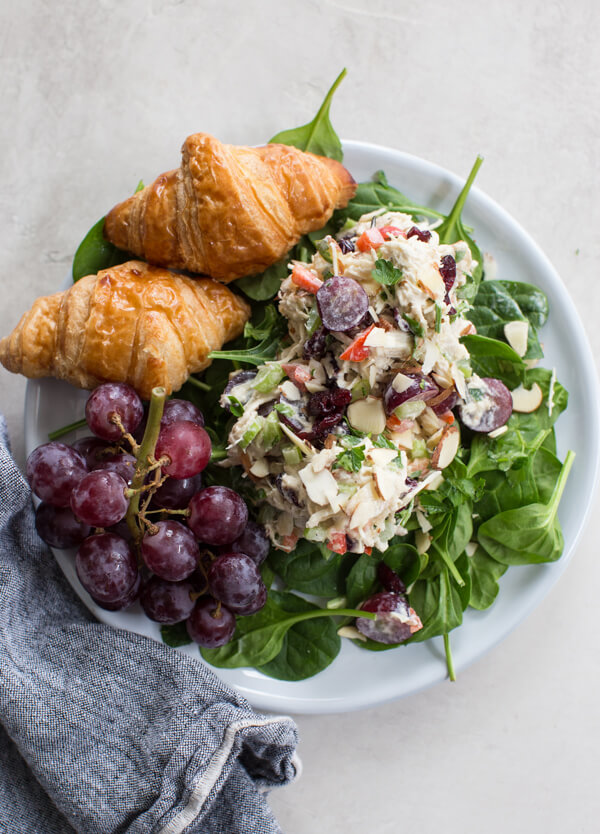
(144, 526)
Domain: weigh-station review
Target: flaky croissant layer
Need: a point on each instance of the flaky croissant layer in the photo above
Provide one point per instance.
(132, 323)
(229, 210)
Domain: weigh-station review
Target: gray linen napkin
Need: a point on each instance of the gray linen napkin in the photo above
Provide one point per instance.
(106, 731)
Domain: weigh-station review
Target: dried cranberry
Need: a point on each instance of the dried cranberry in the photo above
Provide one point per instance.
(332, 401)
(322, 427)
(448, 271)
(422, 234)
(316, 345)
(346, 245)
(287, 493)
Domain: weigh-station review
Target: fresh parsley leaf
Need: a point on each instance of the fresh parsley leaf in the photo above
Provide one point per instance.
(350, 460)
(235, 406)
(386, 273)
(415, 327)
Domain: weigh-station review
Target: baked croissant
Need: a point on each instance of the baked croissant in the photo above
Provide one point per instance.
(229, 210)
(132, 323)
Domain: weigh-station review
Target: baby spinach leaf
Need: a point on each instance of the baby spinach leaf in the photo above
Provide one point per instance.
(318, 136)
(95, 253)
(266, 284)
(529, 484)
(484, 573)
(440, 603)
(452, 229)
(378, 195)
(312, 569)
(529, 534)
(532, 301)
(308, 647)
(175, 635)
(259, 637)
(493, 358)
(495, 306)
(400, 556)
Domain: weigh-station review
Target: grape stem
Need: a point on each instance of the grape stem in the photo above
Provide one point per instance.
(78, 424)
(145, 460)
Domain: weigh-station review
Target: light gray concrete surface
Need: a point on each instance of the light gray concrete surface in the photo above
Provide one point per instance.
(98, 95)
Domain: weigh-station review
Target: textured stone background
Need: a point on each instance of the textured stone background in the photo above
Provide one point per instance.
(98, 95)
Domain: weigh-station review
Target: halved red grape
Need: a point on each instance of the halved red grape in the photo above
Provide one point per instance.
(106, 567)
(210, 625)
(342, 303)
(390, 579)
(395, 622)
(172, 552)
(446, 400)
(166, 602)
(234, 579)
(253, 541)
(175, 411)
(187, 446)
(421, 388)
(53, 471)
(58, 527)
(108, 400)
(218, 515)
(99, 499)
(489, 408)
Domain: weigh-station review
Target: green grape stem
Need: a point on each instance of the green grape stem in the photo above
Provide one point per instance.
(145, 459)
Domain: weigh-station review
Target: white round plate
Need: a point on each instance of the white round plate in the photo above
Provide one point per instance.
(358, 678)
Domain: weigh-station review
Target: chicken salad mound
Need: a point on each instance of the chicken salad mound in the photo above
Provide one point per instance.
(355, 417)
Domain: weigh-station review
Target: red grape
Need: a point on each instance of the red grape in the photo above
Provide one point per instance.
(253, 541)
(166, 602)
(172, 553)
(421, 388)
(209, 628)
(99, 499)
(90, 448)
(187, 446)
(129, 598)
(123, 464)
(106, 567)
(53, 470)
(234, 579)
(218, 515)
(58, 527)
(175, 493)
(113, 398)
(176, 411)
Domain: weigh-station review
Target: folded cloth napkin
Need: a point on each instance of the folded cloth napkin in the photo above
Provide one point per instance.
(108, 731)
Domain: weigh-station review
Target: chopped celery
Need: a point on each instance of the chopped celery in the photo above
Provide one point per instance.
(268, 377)
(291, 455)
(410, 410)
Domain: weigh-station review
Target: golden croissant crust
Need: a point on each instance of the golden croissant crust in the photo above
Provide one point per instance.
(132, 323)
(228, 210)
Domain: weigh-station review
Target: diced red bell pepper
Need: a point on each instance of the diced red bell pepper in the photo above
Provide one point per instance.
(305, 279)
(357, 351)
(337, 543)
(389, 232)
(394, 424)
(288, 543)
(370, 239)
(299, 374)
(368, 550)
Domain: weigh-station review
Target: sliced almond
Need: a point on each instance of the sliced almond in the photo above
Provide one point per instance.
(367, 415)
(434, 483)
(403, 439)
(431, 282)
(446, 450)
(387, 483)
(260, 468)
(381, 457)
(422, 541)
(320, 486)
(498, 432)
(516, 333)
(402, 383)
(526, 400)
(352, 633)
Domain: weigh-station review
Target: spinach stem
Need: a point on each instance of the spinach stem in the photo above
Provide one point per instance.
(447, 230)
(202, 385)
(451, 566)
(449, 661)
(561, 483)
(78, 424)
